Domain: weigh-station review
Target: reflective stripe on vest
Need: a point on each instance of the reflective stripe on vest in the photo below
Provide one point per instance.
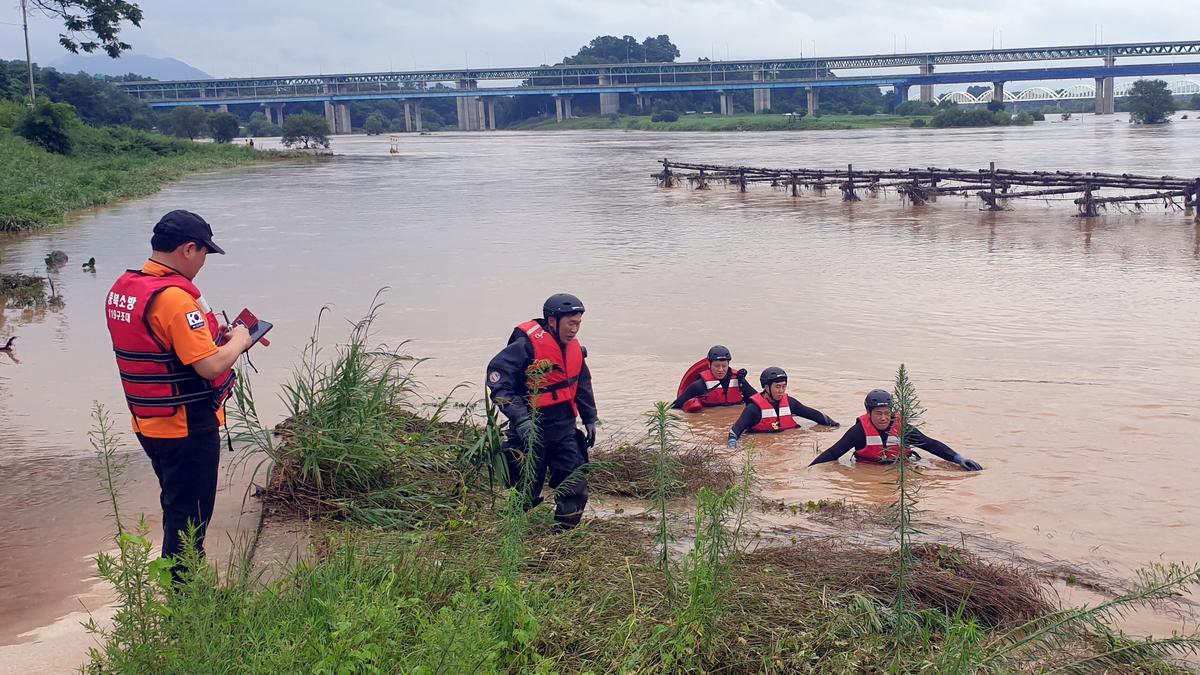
(773, 420)
(156, 383)
(561, 381)
(875, 451)
(718, 395)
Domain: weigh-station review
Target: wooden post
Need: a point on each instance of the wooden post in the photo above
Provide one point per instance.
(793, 180)
(848, 188)
(1089, 203)
(741, 180)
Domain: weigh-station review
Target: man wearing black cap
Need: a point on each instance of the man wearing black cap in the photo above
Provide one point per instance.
(176, 370)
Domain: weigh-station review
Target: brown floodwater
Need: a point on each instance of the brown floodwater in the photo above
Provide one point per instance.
(1056, 351)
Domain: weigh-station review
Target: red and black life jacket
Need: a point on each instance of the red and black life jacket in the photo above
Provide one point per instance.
(721, 395)
(560, 382)
(875, 450)
(156, 382)
(772, 419)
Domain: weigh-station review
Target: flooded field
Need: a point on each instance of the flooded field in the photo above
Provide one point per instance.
(1055, 351)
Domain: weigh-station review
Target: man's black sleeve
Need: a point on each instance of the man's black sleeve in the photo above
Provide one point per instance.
(585, 399)
(748, 389)
(506, 379)
(918, 439)
(853, 439)
(694, 390)
(801, 410)
(751, 415)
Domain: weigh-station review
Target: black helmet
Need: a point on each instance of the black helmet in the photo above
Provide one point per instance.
(877, 398)
(561, 304)
(771, 376)
(719, 353)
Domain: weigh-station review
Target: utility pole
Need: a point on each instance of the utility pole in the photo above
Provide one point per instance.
(28, 58)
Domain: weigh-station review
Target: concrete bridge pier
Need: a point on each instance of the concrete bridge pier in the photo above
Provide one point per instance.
(469, 108)
(610, 104)
(900, 95)
(998, 91)
(417, 114)
(408, 125)
(562, 107)
(813, 101)
(927, 89)
(343, 119)
(274, 113)
(1106, 99)
(331, 117)
(491, 114)
(726, 103)
(641, 101)
(762, 97)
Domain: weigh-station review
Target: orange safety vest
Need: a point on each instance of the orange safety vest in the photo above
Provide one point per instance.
(156, 383)
(875, 450)
(718, 395)
(772, 419)
(559, 384)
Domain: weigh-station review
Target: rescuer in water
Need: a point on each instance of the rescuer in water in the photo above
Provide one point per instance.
(772, 410)
(875, 438)
(711, 381)
(560, 393)
(176, 369)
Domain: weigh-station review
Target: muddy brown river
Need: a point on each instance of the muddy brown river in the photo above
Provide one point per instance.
(1056, 351)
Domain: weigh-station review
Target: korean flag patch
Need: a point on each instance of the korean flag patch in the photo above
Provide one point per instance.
(195, 320)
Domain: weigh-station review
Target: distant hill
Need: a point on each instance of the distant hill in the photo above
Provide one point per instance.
(158, 68)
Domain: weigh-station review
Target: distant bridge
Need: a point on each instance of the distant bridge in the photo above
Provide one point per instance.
(476, 104)
(1078, 92)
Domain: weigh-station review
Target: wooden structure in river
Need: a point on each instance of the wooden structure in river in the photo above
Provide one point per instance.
(995, 187)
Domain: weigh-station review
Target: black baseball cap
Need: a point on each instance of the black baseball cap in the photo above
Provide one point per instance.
(188, 225)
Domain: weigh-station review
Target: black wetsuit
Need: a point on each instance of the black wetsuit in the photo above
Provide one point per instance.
(856, 439)
(752, 415)
(699, 388)
(558, 449)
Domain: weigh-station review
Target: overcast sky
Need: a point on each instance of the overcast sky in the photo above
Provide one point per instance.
(234, 38)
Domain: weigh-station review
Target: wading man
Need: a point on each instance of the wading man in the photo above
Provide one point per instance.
(176, 377)
(772, 410)
(541, 383)
(711, 381)
(876, 438)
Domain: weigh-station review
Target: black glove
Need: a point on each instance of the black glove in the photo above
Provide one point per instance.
(968, 464)
(830, 422)
(590, 427)
(741, 373)
(524, 429)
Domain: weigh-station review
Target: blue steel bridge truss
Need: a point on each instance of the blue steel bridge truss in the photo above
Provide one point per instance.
(656, 77)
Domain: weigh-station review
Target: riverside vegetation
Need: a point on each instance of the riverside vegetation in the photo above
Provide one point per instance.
(54, 163)
(426, 565)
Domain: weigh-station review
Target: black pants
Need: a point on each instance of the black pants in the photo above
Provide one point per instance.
(561, 451)
(187, 475)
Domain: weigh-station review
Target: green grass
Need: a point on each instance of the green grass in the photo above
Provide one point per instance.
(769, 122)
(424, 568)
(109, 164)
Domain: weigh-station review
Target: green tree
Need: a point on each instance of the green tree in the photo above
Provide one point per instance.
(49, 125)
(1150, 102)
(376, 124)
(186, 122)
(613, 49)
(224, 126)
(1195, 102)
(258, 126)
(306, 129)
(92, 24)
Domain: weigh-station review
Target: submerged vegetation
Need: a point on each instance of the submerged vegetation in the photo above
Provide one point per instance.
(425, 566)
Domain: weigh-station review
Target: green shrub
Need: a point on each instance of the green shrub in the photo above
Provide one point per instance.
(665, 116)
(223, 126)
(49, 125)
(919, 123)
